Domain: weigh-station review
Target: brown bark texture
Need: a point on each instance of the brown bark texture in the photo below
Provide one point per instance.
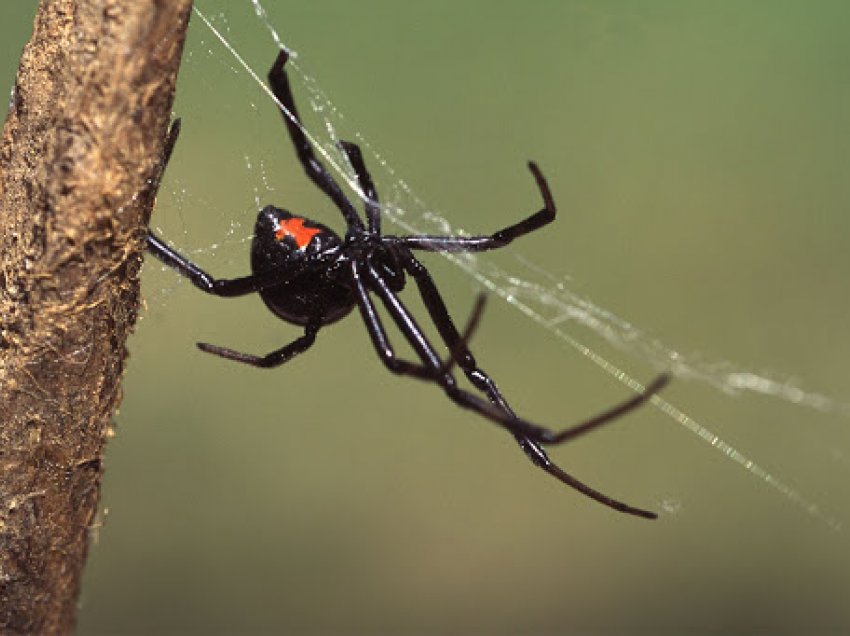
(79, 166)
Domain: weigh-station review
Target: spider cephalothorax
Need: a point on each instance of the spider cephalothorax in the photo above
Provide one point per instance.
(309, 276)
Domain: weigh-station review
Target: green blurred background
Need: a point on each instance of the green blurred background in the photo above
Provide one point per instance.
(699, 153)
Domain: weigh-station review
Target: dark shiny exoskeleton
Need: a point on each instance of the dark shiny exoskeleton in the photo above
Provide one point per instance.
(321, 295)
(310, 276)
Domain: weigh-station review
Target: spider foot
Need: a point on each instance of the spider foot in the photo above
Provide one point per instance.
(539, 458)
(546, 436)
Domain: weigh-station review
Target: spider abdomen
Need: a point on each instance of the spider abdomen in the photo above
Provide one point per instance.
(281, 242)
(307, 298)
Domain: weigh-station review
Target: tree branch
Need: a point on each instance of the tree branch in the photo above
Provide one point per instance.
(79, 166)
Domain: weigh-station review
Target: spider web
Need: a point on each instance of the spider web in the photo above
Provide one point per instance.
(542, 296)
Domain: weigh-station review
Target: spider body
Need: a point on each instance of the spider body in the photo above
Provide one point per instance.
(308, 275)
(283, 242)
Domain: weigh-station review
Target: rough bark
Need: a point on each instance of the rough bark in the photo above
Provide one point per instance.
(79, 165)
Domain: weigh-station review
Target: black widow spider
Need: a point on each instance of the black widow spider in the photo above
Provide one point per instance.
(309, 276)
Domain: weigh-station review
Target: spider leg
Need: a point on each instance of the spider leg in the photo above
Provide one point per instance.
(273, 359)
(528, 435)
(468, 330)
(183, 266)
(373, 210)
(433, 369)
(279, 83)
(378, 334)
(170, 141)
(228, 287)
(445, 326)
(495, 240)
(463, 356)
(517, 425)
(538, 457)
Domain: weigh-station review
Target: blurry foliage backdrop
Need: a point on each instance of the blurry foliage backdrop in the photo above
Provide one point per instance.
(699, 155)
